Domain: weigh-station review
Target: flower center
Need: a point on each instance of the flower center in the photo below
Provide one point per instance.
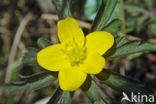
(75, 53)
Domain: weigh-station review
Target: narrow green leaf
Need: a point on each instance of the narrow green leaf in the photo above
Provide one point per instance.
(149, 3)
(122, 83)
(141, 19)
(133, 8)
(135, 55)
(113, 27)
(116, 13)
(96, 94)
(134, 47)
(91, 8)
(30, 56)
(38, 76)
(43, 43)
(4, 51)
(139, 26)
(63, 9)
(119, 41)
(104, 14)
(137, 20)
(60, 97)
(15, 87)
(110, 52)
(34, 77)
(153, 28)
(46, 81)
(14, 72)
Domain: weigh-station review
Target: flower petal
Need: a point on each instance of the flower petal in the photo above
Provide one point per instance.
(69, 31)
(71, 78)
(94, 63)
(99, 42)
(52, 58)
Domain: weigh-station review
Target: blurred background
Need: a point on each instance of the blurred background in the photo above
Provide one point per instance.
(22, 22)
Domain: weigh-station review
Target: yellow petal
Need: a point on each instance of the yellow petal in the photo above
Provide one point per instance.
(71, 78)
(99, 42)
(69, 31)
(93, 64)
(52, 58)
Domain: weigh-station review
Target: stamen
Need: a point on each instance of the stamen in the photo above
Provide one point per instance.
(75, 53)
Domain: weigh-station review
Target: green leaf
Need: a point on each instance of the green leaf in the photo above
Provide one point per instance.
(34, 77)
(123, 84)
(149, 3)
(14, 72)
(133, 8)
(60, 97)
(116, 13)
(141, 19)
(62, 7)
(4, 52)
(91, 7)
(134, 47)
(43, 43)
(138, 20)
(96, 94)
(104, 14)
(30, 57)
(46, 81)
(110, 52)
(119, 41)
(153, 28)
(113, 27)
(139, 26)
(135, 55)
(31, 86)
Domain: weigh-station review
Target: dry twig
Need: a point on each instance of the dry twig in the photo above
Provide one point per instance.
(15, 46)
(55, 18)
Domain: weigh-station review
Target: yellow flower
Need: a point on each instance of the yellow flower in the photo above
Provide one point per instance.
(76, 55)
